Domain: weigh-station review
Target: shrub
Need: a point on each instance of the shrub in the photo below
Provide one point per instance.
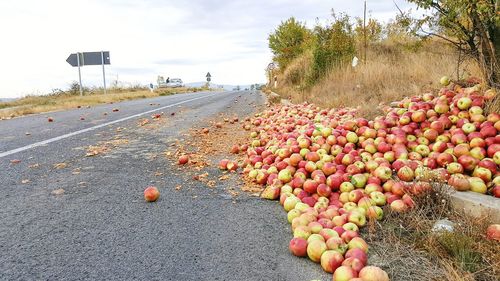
(334, 46)
(288, 41)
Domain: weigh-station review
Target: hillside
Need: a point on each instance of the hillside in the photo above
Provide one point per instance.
(390, 73)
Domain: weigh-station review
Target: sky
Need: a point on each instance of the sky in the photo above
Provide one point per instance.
(146, 38)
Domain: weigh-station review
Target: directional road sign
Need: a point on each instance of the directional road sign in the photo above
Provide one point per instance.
(89, 58)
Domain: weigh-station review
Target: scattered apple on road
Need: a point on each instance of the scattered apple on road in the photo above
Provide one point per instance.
(151, 194)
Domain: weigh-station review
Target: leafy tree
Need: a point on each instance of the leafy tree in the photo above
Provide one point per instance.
(472, 26)
(288, 41)
(401, 28)
(373, 30)
(334, 45)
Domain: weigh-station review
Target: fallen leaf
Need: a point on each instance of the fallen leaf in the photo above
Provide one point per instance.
(25, 181)
(143, 122)
(15, 161)
(59, 191)
(60, 166)
(178, 187)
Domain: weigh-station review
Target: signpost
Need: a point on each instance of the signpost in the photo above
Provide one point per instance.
(89, 58)
(209, 78)
(270, 67)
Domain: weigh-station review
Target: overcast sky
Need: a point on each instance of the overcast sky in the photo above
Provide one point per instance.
(146, 38)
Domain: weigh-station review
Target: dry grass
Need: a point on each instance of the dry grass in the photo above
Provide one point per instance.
(492, 106)
(391, 73)
(463, 254)
(40, 104)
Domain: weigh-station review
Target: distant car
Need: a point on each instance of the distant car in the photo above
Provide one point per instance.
(175, 83)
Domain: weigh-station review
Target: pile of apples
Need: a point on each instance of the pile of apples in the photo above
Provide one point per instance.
(332, 171)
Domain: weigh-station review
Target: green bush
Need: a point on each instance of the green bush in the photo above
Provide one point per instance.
(288, 41)
(334, 46)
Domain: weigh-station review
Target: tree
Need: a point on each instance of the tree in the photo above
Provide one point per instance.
(288, 41)
(334, 45)
(373, 30)
(473, 26)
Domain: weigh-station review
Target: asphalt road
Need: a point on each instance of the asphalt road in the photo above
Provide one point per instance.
(100, 228)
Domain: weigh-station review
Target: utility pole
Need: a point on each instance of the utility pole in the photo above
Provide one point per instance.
(364, 33)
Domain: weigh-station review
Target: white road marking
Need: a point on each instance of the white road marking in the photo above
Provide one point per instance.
(45, 142)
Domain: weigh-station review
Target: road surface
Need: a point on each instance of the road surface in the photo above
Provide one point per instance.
(100, 228)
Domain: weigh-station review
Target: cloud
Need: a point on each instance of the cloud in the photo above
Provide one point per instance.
(146, 38)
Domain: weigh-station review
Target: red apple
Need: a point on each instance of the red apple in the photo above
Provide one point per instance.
(373, 273)
(298, 247)
(383, 173)
(331, 260)
(493, 232)
(482, 173)
(315, 249)
(398, 206)
(151, 194)
(477, 185)
(406, 174)
(459, 182)
(324, 190)
(344, 273)
(496, 191)
(354, 263)
(468, 162)
(358, 253)
(183, 159)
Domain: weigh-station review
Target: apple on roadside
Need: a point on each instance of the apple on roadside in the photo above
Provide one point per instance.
(298, 247)
(344, 273)
(151, 194)
(315, 249)
(330, 260)
(184, 159)
(398, 206)
(477, 185)
(373, 273)
(493, 232)
(375, 212)
(357, 218)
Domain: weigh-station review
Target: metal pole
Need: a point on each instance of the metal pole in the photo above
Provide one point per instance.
(103, 72)
(364, 29)
(79, 73)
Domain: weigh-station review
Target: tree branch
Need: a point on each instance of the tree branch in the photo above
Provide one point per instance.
(457, 44)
